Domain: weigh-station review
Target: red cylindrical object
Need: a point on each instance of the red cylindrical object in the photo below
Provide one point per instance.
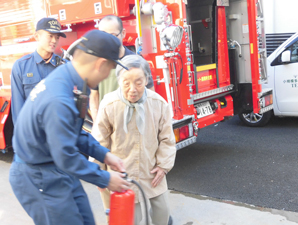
(122, 208)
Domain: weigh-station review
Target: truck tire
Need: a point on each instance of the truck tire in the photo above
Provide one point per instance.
(255, 119)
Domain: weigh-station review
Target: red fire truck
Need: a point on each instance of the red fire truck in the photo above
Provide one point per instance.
(207, 57)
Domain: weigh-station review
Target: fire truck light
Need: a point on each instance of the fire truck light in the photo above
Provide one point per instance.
(268, 100)
(184, 133)
(181, 133)
(177, 136)
(171, 36)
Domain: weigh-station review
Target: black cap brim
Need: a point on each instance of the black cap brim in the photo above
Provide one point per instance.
(119, 63)
(56, 32)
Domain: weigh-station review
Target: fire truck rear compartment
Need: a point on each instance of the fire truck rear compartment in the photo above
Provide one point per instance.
(221, 52)
(200, 16)
(213, 78)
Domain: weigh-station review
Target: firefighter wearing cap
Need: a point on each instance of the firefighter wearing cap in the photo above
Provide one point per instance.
(31, 69)
(48, 139)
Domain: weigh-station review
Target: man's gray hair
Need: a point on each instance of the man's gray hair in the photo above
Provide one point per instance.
(133, 61)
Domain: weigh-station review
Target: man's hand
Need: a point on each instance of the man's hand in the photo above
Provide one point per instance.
(114, 162)
(160, 173)
(117, 183)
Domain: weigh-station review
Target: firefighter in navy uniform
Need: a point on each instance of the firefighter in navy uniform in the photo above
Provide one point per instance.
(48, 139)
(32, 68)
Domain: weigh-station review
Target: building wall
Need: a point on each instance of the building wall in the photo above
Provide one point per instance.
(281, 16)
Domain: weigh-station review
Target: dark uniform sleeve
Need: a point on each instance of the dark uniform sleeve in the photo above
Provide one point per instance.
(65, 140)
(88, 145)
(150, 82)
(17, 92)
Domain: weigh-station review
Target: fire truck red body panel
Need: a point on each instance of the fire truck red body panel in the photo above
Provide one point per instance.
(5, 119)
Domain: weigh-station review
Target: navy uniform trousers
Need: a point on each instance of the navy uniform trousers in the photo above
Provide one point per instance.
(47, 200)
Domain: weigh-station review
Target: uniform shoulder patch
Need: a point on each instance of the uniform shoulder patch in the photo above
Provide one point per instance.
(40, 87)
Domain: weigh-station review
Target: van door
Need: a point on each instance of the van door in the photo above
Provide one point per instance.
(286, 81)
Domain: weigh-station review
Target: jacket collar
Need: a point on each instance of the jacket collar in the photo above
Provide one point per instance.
(38, 59)
(76, 79)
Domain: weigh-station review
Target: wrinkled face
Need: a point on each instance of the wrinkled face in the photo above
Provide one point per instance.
(132, 83)
(47, 41)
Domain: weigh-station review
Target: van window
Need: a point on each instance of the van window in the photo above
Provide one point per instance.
(294, 55)
(294, 52)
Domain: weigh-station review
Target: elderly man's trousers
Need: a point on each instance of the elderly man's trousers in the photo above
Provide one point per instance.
(159, 211)
(50, 196)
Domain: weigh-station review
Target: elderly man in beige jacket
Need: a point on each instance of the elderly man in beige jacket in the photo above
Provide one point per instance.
(135, 123)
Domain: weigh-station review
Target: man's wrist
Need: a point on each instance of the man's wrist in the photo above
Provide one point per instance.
(105, 159)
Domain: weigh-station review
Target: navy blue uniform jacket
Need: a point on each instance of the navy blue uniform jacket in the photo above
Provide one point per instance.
(25, 74)
(49, 129)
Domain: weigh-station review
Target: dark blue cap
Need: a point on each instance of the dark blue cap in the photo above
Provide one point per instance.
(101, 44)
(51, 25)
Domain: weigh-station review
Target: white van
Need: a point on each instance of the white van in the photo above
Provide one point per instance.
(282, 69)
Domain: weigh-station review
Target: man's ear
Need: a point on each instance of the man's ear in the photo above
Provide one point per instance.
(123, 33)
(99, 63)
(36, 36)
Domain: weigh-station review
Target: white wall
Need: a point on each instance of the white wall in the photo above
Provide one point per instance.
(281, 16)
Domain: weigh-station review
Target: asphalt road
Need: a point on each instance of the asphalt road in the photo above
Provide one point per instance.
(230, 161)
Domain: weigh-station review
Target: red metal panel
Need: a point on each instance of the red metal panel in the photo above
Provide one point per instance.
(84, 10)
(256, 87)
(219, 114)
(186, 87)
(5, 95)
(206, 80)
(130, 26)
(222, 48)
(123, 7)
(159, 87)
(175, 87)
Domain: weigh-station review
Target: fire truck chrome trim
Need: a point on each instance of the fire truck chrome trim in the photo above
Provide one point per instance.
(266, 109)
(213, 92)
(186, 142)
(184, 118)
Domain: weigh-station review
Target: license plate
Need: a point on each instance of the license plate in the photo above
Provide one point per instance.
(204, 109)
